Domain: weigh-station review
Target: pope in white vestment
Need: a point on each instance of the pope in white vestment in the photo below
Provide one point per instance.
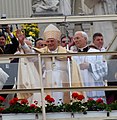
(55, 74)
(55, 69)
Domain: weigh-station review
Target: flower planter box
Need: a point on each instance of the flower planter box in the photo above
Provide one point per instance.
(67, 115)
(91, 114)
(19, 116)
(98, 115)
(34, 116)
(56, 115)
(113, 113)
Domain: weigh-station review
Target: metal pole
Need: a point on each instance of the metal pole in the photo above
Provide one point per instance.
(67, 47)
(42, 89)
(69, 68)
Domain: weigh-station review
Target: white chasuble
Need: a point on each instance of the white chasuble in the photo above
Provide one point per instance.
(55, 74)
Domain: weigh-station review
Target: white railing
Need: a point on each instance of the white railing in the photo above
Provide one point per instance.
(60, 19)
(42, 89)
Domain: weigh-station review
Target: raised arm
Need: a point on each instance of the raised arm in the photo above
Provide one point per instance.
(21, 38)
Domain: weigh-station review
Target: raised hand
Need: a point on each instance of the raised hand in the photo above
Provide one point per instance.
(21, 36)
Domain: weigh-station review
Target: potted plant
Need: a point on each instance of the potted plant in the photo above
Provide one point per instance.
(19, 109)
(113, 109)
(1, 104)
(97, 107)
(77, 108)
(59, 109)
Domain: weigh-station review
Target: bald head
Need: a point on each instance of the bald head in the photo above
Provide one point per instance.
(84, 34)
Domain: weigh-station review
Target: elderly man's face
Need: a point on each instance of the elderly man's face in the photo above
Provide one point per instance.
(52, 44)
(2, 41)
(80, 41)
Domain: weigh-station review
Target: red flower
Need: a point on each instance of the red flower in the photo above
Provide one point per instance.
(90, 99)
(13, 101)
(80, 97)
(75, 95)
(47, 97)
(99, 100)
(33, 106)
(1, 109)
(24, 101)
(2, 99)
(51, 100)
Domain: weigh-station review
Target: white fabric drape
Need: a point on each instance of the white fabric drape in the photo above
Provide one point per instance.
(28, 78)
(3, 77)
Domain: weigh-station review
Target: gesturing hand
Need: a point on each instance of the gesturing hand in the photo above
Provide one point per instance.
(21, 36)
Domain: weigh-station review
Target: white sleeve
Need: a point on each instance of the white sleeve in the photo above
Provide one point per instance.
(27, 49)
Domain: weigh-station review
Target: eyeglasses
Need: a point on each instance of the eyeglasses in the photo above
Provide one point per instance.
(42, 45)
(63, 41)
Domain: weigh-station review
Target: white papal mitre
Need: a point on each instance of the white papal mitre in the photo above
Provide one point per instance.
(51, 31)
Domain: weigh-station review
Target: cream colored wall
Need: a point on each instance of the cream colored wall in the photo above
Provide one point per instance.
(16, 8)
(85, 9)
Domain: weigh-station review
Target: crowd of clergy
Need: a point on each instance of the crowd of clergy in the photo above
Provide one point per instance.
(57, 71)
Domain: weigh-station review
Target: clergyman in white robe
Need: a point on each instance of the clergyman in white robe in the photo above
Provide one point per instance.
(95, 77)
